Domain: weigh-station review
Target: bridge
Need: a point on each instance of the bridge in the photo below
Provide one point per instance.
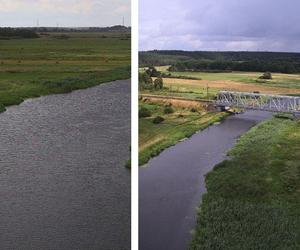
(273, 103)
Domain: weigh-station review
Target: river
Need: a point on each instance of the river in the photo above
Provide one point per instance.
(172, 184)
(63, 184)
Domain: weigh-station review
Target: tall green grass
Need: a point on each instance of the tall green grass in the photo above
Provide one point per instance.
(253, 200)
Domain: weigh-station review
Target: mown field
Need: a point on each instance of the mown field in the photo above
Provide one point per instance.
(58, 63)
(236, 81)
(253, 200)
(182, 123)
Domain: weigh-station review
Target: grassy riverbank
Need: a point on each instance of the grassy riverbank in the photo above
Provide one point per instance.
(253, 200)
(60, 63)
(181, 123)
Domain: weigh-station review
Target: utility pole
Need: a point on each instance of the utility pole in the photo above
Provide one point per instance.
(123, 21)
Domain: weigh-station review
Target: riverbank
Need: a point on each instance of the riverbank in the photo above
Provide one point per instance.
(180, 123)
(252, 200)
(61, 63)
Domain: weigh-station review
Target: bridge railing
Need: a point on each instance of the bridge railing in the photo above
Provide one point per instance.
(275, 103)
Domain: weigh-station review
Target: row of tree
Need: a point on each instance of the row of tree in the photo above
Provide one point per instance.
(17, 33)
(165, 57)
(260, 66)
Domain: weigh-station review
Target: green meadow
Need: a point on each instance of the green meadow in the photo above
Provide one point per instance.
(180, 124)
(252, 200)
(60, 62)
(280, 80)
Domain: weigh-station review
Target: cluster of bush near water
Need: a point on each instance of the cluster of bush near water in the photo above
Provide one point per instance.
(163, 125)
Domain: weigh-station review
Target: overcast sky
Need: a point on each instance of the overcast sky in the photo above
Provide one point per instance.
(67, 13)
(269, 25)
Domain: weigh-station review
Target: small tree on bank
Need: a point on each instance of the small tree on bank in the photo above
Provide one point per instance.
(158, 83)
(145, 81)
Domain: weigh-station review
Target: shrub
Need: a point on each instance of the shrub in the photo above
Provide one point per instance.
(158, 119)
(168, 110)
(152, 72)
(158, 83)
(266, 75)
(284, 116)
(145, 81)
(144, 112)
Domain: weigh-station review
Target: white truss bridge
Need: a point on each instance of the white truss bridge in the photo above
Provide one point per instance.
(273, 103)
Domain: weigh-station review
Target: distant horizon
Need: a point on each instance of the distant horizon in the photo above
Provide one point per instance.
(220, 51)
(67, 27)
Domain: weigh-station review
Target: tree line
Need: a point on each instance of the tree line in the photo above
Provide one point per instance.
(227, 66)
(222, 61)
(17, 33)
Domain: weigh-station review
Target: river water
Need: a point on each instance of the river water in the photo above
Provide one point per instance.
(172, 184)
(63, 184)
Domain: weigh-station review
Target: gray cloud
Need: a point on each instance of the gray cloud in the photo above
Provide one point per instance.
(220, 25)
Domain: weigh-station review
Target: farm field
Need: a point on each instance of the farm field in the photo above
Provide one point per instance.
(252, 200)
(60, 62)
(236, 81)
(183, 122)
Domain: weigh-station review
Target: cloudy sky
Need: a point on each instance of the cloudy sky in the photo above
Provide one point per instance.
(67, 13)
(249, 25)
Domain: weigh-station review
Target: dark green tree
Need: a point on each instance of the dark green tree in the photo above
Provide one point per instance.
(158, 83)
(145, 81)
(152, 72)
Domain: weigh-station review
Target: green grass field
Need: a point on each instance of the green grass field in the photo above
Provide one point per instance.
(253, 199)
(153, 138)
(58, 63)
(279, 80)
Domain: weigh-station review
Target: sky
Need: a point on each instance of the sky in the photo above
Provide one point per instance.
(220, 25)
(64, 13)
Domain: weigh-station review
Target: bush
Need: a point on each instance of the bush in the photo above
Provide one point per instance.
(158, 83)
(266, 75)
(144, 112)
(145, 81)
(168, 110)
(18, 33)
(152, 72)
(158, 119)
(284, 116)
